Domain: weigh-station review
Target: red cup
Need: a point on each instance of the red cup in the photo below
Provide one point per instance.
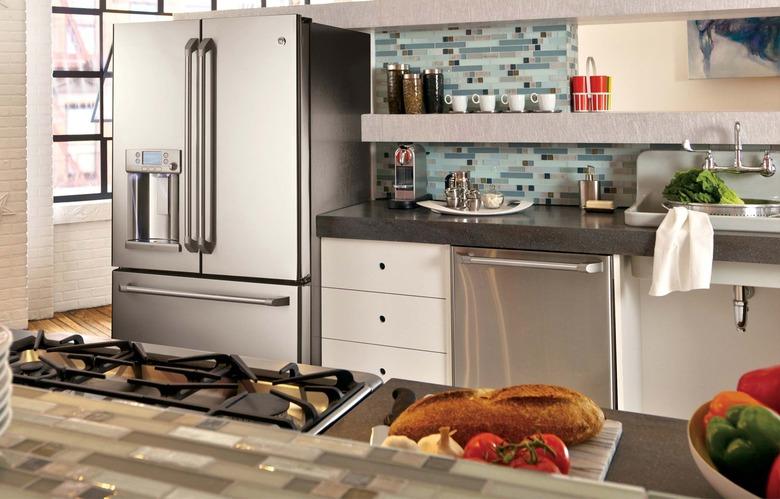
(579, 102)
(579, 84)
(599, 84)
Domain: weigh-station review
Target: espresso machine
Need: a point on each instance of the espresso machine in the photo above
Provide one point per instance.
(153, 199)
(411, 180)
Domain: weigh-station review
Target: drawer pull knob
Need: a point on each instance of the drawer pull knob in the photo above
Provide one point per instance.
(382, 265)
(382, 371)
(382, 318)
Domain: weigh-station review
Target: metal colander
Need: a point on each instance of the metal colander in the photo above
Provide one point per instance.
(751, 208)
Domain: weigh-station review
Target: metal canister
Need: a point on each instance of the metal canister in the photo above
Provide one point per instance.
(395, 87)
(433, 90)
(413, 94)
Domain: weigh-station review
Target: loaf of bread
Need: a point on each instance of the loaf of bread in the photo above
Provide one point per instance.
(512, 413)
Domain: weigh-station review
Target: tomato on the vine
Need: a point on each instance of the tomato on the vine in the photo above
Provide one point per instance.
(484, 447)
(555, 450)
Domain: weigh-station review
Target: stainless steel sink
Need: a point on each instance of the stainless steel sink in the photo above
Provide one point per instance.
(656, 168)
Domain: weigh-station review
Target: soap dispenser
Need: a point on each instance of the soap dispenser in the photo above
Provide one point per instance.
(589, 188)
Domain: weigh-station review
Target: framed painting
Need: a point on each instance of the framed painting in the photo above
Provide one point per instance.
(734, 48)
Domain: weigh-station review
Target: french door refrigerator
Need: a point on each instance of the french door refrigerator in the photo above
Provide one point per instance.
(230, 135)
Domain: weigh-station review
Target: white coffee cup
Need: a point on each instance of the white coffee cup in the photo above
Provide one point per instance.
(516, 102)
(546, 102)
(487, 103)
(459, 103)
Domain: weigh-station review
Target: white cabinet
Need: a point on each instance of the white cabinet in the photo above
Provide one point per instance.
(386, 308)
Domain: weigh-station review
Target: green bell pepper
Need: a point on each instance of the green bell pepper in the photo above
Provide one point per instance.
(744, 444)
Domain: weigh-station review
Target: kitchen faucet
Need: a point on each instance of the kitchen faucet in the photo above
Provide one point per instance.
(766, 168)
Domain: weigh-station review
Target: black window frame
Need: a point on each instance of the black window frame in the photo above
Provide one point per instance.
(101, 74)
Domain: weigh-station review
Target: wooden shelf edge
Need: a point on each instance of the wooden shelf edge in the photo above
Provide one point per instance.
(762, 128)
(410, 14)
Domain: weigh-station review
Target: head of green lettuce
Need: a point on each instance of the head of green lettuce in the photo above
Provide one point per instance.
(700, 186)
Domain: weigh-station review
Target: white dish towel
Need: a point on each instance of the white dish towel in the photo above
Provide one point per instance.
(683, 252)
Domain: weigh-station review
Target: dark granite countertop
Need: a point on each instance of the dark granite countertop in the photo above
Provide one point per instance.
(541, 228)
(652, 453)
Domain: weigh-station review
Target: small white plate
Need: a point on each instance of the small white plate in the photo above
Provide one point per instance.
(442, 208)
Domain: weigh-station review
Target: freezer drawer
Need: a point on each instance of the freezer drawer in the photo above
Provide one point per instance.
(533, 317)
(245, 318)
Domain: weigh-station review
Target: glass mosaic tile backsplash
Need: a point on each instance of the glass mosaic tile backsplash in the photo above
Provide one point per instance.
(542, 173)
(516, 58)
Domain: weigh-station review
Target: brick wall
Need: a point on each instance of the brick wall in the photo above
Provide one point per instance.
(40, 232)
(82, 265)
(13, 219)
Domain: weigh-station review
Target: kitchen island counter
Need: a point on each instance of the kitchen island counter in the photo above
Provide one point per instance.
(540, 228)
(652, 453)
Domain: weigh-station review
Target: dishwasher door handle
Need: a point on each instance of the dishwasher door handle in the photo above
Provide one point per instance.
(585, 267)
(270, 302)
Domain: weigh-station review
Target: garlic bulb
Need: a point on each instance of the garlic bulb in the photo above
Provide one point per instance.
(441, 443)
(400, 442)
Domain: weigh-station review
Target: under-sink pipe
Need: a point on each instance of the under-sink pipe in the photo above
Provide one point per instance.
(741, 296)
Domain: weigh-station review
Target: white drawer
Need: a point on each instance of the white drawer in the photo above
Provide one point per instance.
(386, 267)
(384, 319)
(386, 362)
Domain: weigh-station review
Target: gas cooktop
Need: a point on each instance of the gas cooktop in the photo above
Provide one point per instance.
(299, 397)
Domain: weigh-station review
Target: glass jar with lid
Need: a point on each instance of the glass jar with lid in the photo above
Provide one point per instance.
(433, 90)
(413, 94)
(395, 87)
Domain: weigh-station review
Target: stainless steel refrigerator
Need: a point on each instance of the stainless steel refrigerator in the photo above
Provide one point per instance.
(230, 135)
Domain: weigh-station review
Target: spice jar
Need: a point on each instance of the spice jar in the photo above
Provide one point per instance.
(395, 87)
(433, 89)
(413, 94)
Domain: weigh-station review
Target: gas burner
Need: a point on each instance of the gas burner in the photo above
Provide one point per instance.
(210, 383)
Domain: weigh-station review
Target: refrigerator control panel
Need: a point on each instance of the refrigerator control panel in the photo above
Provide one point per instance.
(153, 161)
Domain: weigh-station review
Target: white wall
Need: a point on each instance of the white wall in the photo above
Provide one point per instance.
(40, 232)
(82, 265)
(13, 227)
(649, 66)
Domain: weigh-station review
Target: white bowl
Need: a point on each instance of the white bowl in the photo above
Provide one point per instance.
(698, 446)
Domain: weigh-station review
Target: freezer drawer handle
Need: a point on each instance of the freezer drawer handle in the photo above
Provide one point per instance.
(282, 301)
(585, 267)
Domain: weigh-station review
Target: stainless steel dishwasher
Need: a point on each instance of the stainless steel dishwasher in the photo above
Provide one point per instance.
(534, 317)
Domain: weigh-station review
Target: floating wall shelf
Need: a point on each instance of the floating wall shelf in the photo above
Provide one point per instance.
(611, 128)
(417, 13)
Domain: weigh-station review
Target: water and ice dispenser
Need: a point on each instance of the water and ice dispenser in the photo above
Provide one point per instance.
(153, 198)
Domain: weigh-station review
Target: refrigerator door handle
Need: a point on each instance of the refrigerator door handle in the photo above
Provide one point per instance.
(189, 167)
(280, 301)
(208, 82)
(584, 267)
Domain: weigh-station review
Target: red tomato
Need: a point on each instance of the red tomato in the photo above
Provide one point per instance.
(483, 446)
(556, 451)
(542, 464)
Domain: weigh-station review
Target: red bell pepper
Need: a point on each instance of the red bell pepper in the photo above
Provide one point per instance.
(763, 385)
(773, 484)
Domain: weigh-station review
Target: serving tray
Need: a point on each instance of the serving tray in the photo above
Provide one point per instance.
(442, 208)
(589, 459)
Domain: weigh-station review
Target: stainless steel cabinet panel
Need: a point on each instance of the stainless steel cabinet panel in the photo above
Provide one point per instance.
(149, 113)
(234, 320)
(533, 317)
(253, 127)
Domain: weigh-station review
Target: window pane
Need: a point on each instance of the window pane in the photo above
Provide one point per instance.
(86, 4)
(144, 5)
(110, 162)
(238, 4)
(74, 102)
(187, 5)
(108, 88)
(75, 42)
(76, 167)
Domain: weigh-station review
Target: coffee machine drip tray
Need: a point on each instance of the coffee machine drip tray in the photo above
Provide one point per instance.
(154, 244)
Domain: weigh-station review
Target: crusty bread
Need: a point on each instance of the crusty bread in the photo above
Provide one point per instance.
(512, 413)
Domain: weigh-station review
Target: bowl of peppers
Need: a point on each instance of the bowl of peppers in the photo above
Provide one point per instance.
(735, 438)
